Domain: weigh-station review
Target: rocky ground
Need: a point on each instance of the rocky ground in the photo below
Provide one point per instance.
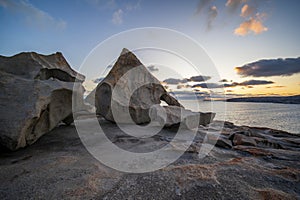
(246, 163)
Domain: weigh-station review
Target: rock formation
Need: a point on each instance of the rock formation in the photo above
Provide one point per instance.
(130, 91)
(36, 94)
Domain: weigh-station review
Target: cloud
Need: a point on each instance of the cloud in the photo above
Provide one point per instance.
(276, 86)
(212, 14)
(248, 84)
(191, 95)
(152, 68)
(118, 17)
(223, 80)
(255, 82)
(253, 25)
(247, 11)
(233, 5)
(202, 4)
(199, 78)
(252, 20)
(234, 84)
(271, 67)
(103, 4)
(210, 10)
(131, 7)
(33, 15)
(181, 86)
(208, 85)
(174, 81)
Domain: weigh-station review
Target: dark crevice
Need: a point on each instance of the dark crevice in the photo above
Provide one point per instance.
(35, 123)
(46, 74)
(103, 95)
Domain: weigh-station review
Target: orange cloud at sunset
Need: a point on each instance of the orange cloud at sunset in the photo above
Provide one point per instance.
(254, 24)
(233, 4)
(247, 10)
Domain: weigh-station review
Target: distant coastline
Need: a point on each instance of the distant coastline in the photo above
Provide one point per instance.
(279, 99)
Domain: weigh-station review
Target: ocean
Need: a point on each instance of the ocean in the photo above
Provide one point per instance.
(284, 117)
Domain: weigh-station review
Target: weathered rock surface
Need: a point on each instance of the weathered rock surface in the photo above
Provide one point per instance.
(36, 94)
(239, 139)
(63, 169)
(129, 91)
(172, 115)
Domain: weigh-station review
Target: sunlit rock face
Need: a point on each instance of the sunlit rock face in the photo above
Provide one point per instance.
(36, 94)
(129, 92)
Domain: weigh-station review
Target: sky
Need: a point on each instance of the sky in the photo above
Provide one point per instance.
(254, 44)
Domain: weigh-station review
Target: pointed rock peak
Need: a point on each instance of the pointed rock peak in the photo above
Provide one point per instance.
(126, 61)
(124, 51)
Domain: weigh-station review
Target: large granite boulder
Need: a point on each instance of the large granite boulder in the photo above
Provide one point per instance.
(36, 94)
(129, 92)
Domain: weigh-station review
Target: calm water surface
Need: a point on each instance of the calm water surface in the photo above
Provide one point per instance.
(272, 115)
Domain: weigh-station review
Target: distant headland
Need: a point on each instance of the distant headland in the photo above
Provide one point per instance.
(278, 99)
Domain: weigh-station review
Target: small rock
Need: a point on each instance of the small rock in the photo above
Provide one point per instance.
(239, 139)
(219, 141)
(224, 143)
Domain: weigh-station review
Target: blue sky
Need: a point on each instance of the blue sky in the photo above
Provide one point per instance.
(76, 27)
